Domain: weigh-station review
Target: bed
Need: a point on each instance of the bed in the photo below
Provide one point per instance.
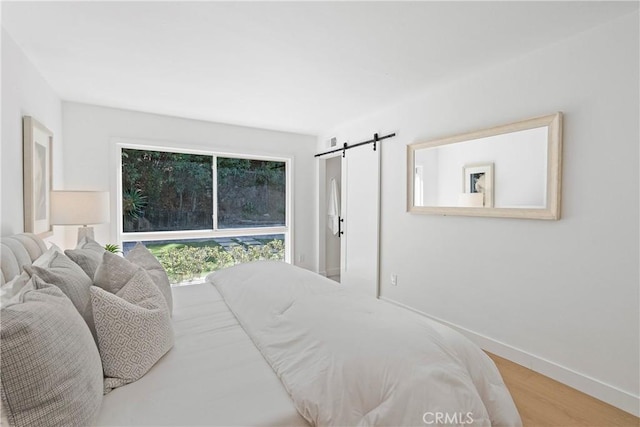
(269, 344)
(214, 375)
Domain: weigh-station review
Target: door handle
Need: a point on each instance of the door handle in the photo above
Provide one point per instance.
(340, 221)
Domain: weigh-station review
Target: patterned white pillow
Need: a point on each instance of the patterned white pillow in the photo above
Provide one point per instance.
(133, 325)
(51, 371)
(142, 257)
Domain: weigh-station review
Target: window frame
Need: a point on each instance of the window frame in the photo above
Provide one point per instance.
(215, 232)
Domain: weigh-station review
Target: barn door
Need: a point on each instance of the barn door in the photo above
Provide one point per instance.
(360, 208)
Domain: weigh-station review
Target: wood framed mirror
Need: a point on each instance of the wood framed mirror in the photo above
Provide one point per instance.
(508, 171)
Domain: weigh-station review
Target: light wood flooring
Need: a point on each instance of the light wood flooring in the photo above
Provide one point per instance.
(542, 401)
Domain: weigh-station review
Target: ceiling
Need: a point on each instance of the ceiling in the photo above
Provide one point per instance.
(294, 66)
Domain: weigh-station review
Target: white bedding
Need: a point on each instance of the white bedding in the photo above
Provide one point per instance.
(352, 360)
(214, 375)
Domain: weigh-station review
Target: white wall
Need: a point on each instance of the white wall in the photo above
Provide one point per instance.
(91, 163)
(558, 296)
(24, 93)
(519, 160)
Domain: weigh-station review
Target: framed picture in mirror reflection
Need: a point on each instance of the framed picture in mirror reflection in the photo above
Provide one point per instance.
(478, 186)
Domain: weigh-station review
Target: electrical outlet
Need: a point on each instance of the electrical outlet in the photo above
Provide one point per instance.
(300, 257)
(394, 279)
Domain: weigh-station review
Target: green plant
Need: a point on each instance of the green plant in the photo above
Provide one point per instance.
(189, 262)
(113, 248)
(133, 202)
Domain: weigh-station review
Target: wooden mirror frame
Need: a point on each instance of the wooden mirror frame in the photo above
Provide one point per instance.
(554, 171)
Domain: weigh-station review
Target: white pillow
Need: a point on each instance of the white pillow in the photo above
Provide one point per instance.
(141, 256)
(51, 371)
(45, 259)
(59, 270)
(12, 288)
(132, 321)
(87, 254)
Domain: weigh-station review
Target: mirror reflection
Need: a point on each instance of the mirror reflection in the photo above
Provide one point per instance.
(508, 171)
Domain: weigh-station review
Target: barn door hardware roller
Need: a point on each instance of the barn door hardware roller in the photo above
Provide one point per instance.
(346, 146)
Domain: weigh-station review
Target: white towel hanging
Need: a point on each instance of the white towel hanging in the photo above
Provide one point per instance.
(333, 210)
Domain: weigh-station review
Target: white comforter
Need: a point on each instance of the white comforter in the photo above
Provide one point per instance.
(213, 376)
(349, 360)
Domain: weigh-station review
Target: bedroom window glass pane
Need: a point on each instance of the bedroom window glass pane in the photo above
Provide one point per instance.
(251, 193)
(164, 191)
(189, 260)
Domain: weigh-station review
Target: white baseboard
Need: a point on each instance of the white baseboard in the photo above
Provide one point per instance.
(333, 272)
(591, 386)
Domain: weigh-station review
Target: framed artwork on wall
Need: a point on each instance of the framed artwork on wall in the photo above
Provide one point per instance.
(36, 177)
(478, 179)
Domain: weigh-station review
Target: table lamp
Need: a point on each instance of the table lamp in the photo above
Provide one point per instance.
(80, 208)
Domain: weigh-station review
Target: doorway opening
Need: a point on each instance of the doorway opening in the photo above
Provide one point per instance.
(333, 186)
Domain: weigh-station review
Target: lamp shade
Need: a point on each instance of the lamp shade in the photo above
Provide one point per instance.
(79, 207)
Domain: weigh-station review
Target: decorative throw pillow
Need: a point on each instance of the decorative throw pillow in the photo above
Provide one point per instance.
(51, 370)
(45, 259)
(133, 328)
(142, 257)
(13, 287)
(69, 277)
(113, 272)
(87, 254)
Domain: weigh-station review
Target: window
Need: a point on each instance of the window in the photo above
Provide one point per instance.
(164, 191)
(234, 208)
(251, 193)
